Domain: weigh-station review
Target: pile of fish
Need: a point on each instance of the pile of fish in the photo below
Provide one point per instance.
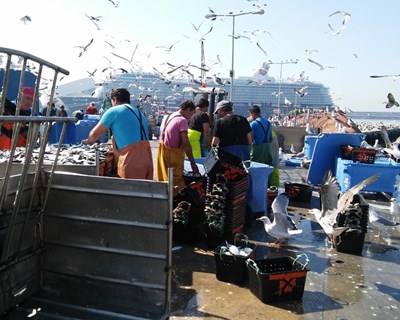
(76, 154)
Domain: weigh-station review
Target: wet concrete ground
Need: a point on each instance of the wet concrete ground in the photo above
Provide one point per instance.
(338, 285)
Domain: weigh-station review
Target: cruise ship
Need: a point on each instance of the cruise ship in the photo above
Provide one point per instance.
(154, 93)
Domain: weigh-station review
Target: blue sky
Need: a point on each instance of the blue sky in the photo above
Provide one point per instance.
(367, 46)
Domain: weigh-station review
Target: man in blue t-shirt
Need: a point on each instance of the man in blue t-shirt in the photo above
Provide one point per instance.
(131, 148)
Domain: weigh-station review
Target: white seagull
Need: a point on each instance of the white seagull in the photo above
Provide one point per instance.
(261, 48)
(320, 66)
(391, 101)
(378, 221)
(331, 205)
(302, 91)
(25, 19)
(346, 15)
(282, 226)
(336, 32)
(288, 102)
(84, 48)
(394, 207)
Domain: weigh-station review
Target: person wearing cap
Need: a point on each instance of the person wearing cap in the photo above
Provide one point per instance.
(174, 144)
(199, 130)
(10, 109)
(262, 137)
(232, 133)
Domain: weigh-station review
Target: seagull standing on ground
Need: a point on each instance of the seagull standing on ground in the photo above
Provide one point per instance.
(282, 226)
(394, 207)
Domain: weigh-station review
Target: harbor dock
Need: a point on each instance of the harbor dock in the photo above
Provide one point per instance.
(338, 285)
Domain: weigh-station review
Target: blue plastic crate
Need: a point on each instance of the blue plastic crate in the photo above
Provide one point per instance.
(349, 173)
(309, 145)
(328, 148)
(83, 128)
(55, 133)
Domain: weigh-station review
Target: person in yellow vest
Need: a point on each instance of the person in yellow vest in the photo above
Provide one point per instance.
(10, 109)
(199, 129)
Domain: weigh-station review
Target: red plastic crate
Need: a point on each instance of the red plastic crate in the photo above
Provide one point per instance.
(358, 154)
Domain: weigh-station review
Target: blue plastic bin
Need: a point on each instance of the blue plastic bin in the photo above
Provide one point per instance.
(309, 145)
(258, 186)
(328, 148)
(83, 128)
(55, 133)
(349, 173)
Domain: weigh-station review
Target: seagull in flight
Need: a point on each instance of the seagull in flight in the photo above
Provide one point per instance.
(302, 91)
(391, 101)
(25, 19)
(261, 48)
(168, 49)
(346, 15)
(338, 31)
(393, 76)
(311, 51)
(288, 102)
(320, 66)
(202, 37)
(84, 48)
(332, 206)
(196, 28)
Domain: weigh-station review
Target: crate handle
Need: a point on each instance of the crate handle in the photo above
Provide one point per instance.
(225, 249)
(252, 264)
(304, 265)
(241, 237)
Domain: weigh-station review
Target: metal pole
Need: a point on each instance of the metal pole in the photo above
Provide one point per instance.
(279, 90)
(232, 73)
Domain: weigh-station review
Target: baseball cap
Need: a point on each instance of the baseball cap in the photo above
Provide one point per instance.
(28, 91)
(223, 104)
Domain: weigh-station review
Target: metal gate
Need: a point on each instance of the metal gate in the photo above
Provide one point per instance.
(76, 246)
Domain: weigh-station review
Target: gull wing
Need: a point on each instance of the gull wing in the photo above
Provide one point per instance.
(346, 198)
(281, 220)
(316, 63)
(329, 193)
(280, 203)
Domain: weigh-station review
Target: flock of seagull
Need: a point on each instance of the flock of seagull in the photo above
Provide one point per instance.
(167, 75)
(281, 225)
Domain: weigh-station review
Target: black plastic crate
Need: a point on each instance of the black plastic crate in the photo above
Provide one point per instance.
(353, 218)
(277, 279)
(232, 268)
(298, 192)
(218, 161)
(351, 242)
(358, 154)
